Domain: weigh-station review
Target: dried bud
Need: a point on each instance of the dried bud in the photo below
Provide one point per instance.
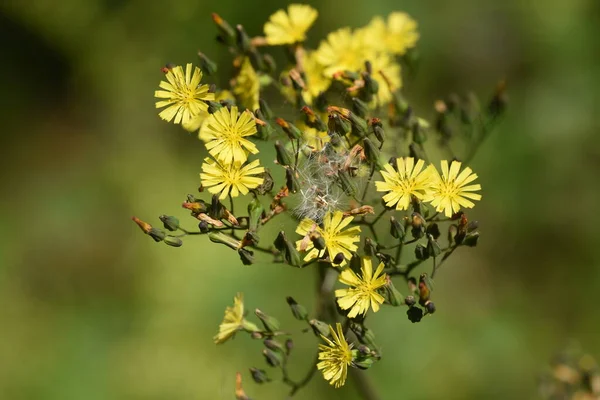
(433, 248)
(412, 284)
(196, 207)
(313, 119)
(338, 125)
(290, 181)
(144, 226)
(417, 222)
(430, 307)
(370, 247)
(239, 390)
(425, 287)
(415, 314)
(290, 129)
(173, 241)
(434, 230)
(471, 239)
(227, 34)
(272, 358)
(271, 324)
(259, 375)
(206, 64)
(170, 223)
(359, 125)
(410, 301)
(377, 128)
(338, 259)
(421, 252)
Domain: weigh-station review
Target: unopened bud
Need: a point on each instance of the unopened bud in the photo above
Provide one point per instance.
(338, 259)
(272, 358)
(290, 180)
(220, 237)
(338, 125)
(265, 109)
(471, 239)
(359, 107)
(259, 375)
(283, 156)
(204, 227)
(433, 248)
(157, 234)
(247, 256)
(421, 252)
(269, 64)
(430, 307)
(255, 210)
(370, 247)
(213, 106)
(425, 286)
(144, 226)
(270, 323)
(396, 228)
(206, 64)
(410, 301)
(319, 327)
(392, 295)
(377, 128)
(346, 183)
(417, 222)
(170, 223)
(371, 87)
(418, 134)
(372, 153)
(227, 34)
(274, 345)
(317, 240)
(312, 120)
(290, 129)
(173, 241)
(298, 310)
(434, 230)
(241, 39)
(291, 255)
(289, 345)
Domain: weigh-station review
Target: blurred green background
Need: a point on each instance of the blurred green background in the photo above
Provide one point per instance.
(92, 309)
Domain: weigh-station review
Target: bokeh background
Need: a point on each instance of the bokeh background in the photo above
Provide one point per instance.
(90, 308)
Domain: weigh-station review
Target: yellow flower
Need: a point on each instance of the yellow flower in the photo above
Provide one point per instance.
(336, 239)
(363, 293)
(335, 357)
(382, 64)
(196, 122)
(450, 191)
(247, 85)
(290, 28)
(342, 50)
(316, 81)
(183, 93)
(314, 139)
(401, 32)
(234, 178)
(408, 180)
(224, 133)
(234, 321)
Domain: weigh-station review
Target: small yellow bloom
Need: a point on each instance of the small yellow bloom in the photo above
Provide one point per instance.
(315, 79)
(196, 122)
(290, 27)
(247, 85)
(183, 93)
(409, 180)
(402, 32)
(363, 292)
(342, 50)
(224, 133)
(335, 357)
(382, 64)
(230, 179)
(234, 321)
(450, 191)
(337, 240)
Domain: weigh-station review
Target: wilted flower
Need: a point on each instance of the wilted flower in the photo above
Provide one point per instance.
(362, 293)
(184, 94)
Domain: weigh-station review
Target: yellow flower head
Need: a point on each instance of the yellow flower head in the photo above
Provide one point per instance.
(401, 32)
(183, 93)
(196, 122)
(337, 240)
(409, 180)
(247, 85)
(290, 27)
(363, 292)
(383, 65)
(335, 357)
(315, 79)
(451, 190)
(224, 133)
(234, 321)
(230, 179)
(342, 50)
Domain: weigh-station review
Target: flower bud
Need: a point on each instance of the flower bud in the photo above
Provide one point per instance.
(421, 252)
(371, 87)
(471, 239)
(271, 324)
(417, 222)
(338, 259)
(346, 183)
(415, 314)
(291, 255)
(311, 119)
(203, 226)
(144, 226)
(213, 106)
(157, 234)
(319, 327)
(396, 228)
(298, 310)
(290, 129)
(247, 256)
(220, 237)
(412, 284)
(241, 39)
(170, 223)
(283, 156)
(255, 210)
(265, 109)
(338, 125)
(425, 286)
(365, 363)
(370, 247)
(269, 64)
(173, 241)
(418, 135)
(274, 345)
(433, 248)
(430, 307)
(227, 34)
(196, 207)
(410, 301)
(290, 181)
(372, 153)
(392, 295)
(434, 230)
(359, 107)
(317, 240)
(272, 358)
(289, 345)
(240, 394)
(206, 64)
(259, 375)
(359, 125)
(377, 128)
